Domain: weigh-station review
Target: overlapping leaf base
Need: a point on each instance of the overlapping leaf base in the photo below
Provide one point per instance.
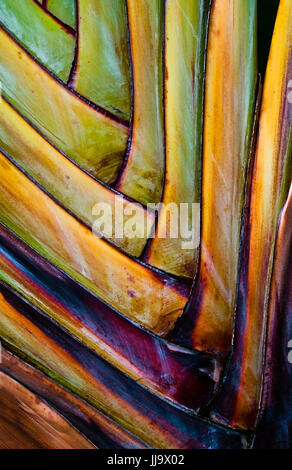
(122, 342)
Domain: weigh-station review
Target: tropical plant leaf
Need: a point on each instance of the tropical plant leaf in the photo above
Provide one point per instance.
(95, 141)
(37, 424)
(183, 83)
(65, 10)
(97, 427)
(270, 186)
(50, 42)
(274, 423)
(191, 377)
(101, 72)
(118, 280)
(122, 326)
(122, 399)
(142, 173)
(72, 188)
(228, 124)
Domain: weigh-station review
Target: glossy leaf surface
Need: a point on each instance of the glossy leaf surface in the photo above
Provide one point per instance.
(102, 70)
(73, 188)
(190, 378)
(270, 185)
(118, 280)
(65, 10)
(142, 175)
(93, 140)
(26, 422)
(124, 400)
(177, 253)
(40, 34)
(231, 77)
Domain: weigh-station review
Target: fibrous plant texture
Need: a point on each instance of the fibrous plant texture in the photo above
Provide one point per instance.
(145, 225)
